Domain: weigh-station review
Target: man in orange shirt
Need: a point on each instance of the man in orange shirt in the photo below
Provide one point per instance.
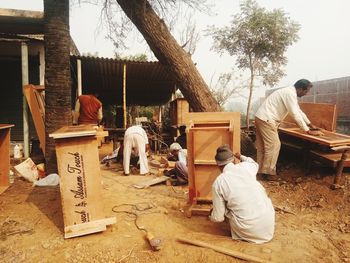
(88, 109)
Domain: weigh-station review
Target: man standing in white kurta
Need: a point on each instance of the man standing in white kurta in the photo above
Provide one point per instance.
(136, 142)
(238, 196)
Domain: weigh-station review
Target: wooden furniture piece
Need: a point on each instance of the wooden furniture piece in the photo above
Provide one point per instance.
(205, 133)
(323, 115)
(36, 101)
(80, 180)
(179, 109)
(330, 148)
(5, 130)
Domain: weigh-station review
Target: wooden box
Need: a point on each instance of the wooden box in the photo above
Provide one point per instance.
(203, 138)
(80, 180)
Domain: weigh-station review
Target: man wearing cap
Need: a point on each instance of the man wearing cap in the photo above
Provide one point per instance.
(136, 143)
(180, 172)
(269, 116)
(239, 197)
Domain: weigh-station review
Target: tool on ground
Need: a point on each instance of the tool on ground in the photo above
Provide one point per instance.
(154, 242)
(232, 253)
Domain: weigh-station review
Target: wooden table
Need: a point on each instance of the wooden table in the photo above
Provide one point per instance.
(5, 130)
(80, 180)
(330, 148)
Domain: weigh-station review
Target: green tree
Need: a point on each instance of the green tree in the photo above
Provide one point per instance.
(258, 39)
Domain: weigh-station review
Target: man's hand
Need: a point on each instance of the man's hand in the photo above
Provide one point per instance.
(237, 155)
(315, 132)
(312, 127)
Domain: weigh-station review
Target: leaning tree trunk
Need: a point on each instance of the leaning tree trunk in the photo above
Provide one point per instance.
(251, 86)
(170, 53)
(57, 73)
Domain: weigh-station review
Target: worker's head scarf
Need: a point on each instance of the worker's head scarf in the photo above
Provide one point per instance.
(224, 155)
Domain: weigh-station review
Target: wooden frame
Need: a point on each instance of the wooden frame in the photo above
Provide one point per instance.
(36, 101)
(5, 130)
(204, 136)
(80, 180)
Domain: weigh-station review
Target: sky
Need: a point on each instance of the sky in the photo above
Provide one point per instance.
(321, 53)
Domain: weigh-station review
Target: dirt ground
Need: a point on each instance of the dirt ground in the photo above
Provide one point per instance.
(314, 226)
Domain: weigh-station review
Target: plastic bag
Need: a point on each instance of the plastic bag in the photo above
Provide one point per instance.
(50, 180)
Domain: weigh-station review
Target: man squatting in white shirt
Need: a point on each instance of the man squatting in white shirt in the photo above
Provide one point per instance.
(269, 116)
(238, 196)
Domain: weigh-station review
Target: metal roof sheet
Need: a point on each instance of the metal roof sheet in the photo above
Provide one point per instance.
(147, 83)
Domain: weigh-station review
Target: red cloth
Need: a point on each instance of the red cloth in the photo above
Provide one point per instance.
(89, 106)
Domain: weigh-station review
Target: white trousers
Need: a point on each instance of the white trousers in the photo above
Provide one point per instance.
(135, 143)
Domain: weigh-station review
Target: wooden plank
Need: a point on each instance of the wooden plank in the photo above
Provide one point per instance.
(36, 103)
(322, 115)
(205, 162)
(226, 251)
(330, 158)
(150, 182)
(88, 228)
(5, 126)
(74, 131)
(207, 141)
(5, 131)
(329, 138)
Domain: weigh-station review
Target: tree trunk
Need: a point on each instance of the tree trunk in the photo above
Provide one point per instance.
(57, 74)
(251, 86)
(170, 53)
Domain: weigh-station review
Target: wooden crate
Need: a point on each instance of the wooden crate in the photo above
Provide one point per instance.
(203, 138)
(5, 130)
(80, 180)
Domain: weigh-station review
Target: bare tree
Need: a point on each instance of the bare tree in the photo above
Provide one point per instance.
(226, 87)
(148, 21)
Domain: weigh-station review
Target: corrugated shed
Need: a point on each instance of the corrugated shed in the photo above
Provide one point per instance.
(147, 83)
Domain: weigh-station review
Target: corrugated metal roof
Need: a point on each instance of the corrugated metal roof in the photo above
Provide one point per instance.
(147, 83)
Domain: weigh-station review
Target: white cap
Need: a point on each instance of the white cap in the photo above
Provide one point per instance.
(175, 147)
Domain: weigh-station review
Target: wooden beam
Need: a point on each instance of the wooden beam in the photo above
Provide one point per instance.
(124, 95)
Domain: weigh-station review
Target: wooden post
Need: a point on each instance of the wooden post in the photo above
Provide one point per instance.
(80, 180)
(79, 91)
(25, 81)
(4, 155)
(124, 95)
(42, 66)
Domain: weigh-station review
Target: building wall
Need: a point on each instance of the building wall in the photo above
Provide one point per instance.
(334, 91)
